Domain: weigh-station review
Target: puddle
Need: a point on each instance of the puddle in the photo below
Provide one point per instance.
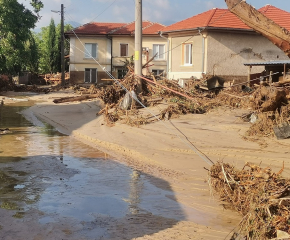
(67, 183)
(104, 187)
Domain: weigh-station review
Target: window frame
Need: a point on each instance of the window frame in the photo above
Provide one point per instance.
(90, 55)
(158, 58)
(127, 49)
(158, 71)
(187, 62)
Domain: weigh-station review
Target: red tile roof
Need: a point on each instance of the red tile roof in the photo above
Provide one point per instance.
(130, 28)
(96, 28)
(223, 18)
(277, 15)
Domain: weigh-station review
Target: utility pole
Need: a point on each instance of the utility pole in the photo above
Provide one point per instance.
(138, 43)
(62, 47)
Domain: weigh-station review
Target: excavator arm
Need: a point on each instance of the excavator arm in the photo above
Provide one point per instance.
(261, 24)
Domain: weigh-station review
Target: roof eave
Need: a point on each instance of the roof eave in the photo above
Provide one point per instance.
(208, 28)
(87, 34)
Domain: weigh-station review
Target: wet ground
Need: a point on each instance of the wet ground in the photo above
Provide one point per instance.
(54, 187)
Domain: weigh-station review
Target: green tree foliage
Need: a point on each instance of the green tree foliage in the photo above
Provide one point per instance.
(32, 54)
(15, 24)
(52, 50)
(49, 52)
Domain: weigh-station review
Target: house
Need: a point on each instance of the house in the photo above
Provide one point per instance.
(99, 47)
(216, 42)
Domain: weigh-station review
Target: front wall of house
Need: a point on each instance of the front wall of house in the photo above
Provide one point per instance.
(227, 53)
(177, 67)
(78, 62)
(147, 42)
(160, 64)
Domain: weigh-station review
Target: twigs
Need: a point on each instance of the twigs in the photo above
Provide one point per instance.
(262, 200)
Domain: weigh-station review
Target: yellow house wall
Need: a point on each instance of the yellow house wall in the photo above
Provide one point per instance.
(177, 69)
(78, 62)
(147, 42)
(79, 56)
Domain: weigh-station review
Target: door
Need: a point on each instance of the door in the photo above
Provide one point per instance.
(90, 75)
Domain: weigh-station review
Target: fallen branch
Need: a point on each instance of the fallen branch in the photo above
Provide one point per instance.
(171, 90)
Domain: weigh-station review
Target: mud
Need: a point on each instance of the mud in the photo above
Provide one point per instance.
(55, 187)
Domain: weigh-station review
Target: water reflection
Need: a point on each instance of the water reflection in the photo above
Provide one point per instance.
(136, 186)
(67, 181)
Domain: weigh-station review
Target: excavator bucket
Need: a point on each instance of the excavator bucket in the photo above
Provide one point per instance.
(261, 24)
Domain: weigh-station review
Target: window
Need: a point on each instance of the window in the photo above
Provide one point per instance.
(91, 50)
(157, 71)
(187, 52)
(160, 50)
(90, 75)
(123, 50)
(122, 73)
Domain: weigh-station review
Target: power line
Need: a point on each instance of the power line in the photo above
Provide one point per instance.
(187, 142)
(202, 156)
(104, 10)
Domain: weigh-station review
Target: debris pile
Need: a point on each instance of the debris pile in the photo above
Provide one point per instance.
(178, 100)
(271, 107)
(267, 99)
(55, 78)
(261, 196)
(6, 84)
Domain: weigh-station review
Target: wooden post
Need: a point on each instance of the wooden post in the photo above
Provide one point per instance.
(284, 75)
(270, 78)
(249, 75)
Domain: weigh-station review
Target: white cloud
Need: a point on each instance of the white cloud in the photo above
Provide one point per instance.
(157, 11)
(210, 4)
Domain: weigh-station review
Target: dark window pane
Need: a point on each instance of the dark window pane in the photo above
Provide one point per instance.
(87, 75)
(123, 48)
(94, 76)
(94, 50)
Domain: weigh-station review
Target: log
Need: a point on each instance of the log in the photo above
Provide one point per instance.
(284, 81)
(155, 100)
(74, 99)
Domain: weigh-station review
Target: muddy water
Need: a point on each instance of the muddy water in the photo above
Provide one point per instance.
(54, 187)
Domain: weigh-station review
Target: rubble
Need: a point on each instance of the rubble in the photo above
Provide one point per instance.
(55, 78)
(260, 195)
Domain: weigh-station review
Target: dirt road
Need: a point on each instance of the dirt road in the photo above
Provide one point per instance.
(161, 151)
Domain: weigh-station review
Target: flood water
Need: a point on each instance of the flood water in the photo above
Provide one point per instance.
(60, 188)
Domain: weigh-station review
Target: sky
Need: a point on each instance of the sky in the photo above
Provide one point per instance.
(163, 11)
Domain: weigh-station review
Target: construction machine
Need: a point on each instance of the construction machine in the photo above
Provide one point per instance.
(261, 24)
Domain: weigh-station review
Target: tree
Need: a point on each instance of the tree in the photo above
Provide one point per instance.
(52, 47)
(44, 46)
(15, 24)
(32, 54)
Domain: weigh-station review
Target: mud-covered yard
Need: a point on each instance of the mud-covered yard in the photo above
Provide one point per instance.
(166, 159)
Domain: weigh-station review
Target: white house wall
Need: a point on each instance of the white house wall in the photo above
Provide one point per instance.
(227, 53)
